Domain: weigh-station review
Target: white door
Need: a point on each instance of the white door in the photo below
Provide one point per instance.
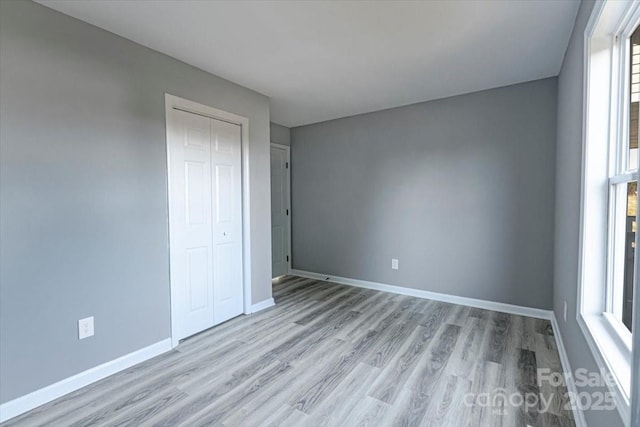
(205, 221)
(227, 221)
(279, 210)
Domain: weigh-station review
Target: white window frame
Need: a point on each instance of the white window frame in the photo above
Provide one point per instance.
(605, 114)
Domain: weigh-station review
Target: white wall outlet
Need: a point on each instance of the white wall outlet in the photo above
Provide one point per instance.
(85, 328)
(565, 311)
(394, 264)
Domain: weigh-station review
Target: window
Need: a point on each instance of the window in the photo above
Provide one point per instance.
(632, 194)
(623, 191)
(610, 190)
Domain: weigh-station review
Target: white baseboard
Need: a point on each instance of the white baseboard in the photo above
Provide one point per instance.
(578, 415)
(25, 403)
(262, 305)
(453, 299)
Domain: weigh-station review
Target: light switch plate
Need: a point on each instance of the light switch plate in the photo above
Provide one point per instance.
(394, 264)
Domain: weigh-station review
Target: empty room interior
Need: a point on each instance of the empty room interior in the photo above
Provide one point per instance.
(319, 213)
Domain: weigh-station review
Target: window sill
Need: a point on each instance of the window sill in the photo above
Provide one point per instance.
(619, 333)
(612, 353)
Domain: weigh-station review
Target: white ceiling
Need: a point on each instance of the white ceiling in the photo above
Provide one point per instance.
(320, 60)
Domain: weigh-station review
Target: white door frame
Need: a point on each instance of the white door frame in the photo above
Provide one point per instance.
(174, 102)
(287, 148)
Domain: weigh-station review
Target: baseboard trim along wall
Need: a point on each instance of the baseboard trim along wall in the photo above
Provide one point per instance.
(453, 299)
(578, 415)
(18, 406)
(539, 313)
(263, 305)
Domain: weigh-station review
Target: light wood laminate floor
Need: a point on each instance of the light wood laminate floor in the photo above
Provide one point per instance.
(329, 354)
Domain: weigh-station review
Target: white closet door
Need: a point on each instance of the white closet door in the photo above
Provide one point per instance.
(190, 187)
(205, 201)
(227, 220)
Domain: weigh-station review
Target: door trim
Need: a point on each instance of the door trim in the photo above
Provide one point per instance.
(174, 102)
(287, 149)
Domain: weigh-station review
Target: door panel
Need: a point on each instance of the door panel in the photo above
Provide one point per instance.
(279, 210)
(196, 197)
(205, 203)
(224, 192)
(277, 245)
(198, 274)
(190, 222)
(227, 227)
(224, 258)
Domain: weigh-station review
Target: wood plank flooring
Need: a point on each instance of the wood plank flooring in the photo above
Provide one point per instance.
(332, 355)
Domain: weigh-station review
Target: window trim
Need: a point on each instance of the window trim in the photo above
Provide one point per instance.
(611, 348)
(623, 177)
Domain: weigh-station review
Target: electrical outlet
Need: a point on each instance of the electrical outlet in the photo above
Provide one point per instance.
(394, 264)
(565, 311)
(85, 328)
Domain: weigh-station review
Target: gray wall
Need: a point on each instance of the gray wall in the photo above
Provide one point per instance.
(460, 190)
(83, 192)
(567, 215)
(280, 134)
